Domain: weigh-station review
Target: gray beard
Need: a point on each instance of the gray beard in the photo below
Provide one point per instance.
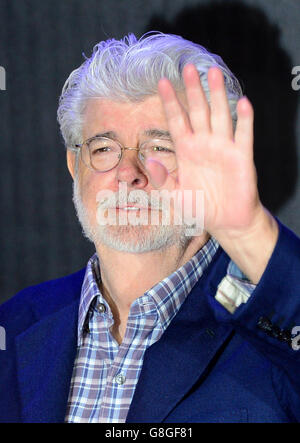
(129, 238)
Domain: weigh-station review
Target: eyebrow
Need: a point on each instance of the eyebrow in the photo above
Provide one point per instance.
(157, 133)
(151, 133)
(108, 134)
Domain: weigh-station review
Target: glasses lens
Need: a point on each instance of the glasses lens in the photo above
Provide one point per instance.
(161, 151)
(103, 153)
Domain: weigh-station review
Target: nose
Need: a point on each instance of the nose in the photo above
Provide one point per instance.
(130, 169)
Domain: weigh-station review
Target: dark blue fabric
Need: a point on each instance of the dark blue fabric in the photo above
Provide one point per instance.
(209, 366)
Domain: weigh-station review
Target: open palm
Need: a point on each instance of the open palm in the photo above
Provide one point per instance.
(210, 157)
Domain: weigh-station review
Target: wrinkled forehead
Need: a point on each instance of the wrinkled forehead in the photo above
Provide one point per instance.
(127, 119)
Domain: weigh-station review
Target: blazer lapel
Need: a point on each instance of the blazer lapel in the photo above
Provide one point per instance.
(178, 360)
(45, 358)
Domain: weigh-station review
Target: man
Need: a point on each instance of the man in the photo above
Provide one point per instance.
(167, 323)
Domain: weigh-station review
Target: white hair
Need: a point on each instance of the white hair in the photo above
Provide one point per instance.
(129, 70)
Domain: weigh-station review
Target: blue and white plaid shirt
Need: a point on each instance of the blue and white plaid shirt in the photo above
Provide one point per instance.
(105, 373)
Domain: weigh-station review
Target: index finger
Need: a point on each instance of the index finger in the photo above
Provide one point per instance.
(176, 115)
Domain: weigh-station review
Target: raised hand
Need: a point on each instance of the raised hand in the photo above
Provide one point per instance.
(213, 159)
(210, 158)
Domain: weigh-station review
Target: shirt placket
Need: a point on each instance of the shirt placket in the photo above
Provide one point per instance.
(121, 378)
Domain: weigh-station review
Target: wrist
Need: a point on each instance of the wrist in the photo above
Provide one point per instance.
(251, 247)
(261, 222)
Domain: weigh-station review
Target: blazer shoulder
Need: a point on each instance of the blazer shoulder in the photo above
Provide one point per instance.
(35, 302)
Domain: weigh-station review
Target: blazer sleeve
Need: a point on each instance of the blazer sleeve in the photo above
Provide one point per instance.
(15, 316)
(270, 319)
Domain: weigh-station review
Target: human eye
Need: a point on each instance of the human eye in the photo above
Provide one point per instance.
(101, 147)
(161, 147)
(158, 148)
(162, 150)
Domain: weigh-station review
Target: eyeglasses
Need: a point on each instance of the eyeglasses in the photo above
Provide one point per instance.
(103, 154)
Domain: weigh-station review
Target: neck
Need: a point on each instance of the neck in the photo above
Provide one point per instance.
(127, 276)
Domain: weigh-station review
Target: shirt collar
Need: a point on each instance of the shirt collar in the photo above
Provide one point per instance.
(166, 296)
(169, 294)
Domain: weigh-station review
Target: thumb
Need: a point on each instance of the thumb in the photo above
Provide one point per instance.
(158, 174)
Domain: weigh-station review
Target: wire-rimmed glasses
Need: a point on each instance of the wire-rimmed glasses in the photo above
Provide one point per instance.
(103, 154)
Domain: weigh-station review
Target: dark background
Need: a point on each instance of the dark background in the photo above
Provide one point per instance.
(41, 42)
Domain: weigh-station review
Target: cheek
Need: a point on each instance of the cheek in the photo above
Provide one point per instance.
(91, 185)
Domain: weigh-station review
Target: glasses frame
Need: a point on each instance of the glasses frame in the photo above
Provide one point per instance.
(79, 146)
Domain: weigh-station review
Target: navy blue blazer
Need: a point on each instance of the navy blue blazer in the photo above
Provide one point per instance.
(209, 365)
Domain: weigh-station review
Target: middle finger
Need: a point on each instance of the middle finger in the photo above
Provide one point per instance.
(221, 121)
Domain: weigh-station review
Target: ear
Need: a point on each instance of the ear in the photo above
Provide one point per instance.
(71, 161)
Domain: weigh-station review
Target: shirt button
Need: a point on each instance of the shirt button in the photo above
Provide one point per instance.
(120, 379)
(101, 308)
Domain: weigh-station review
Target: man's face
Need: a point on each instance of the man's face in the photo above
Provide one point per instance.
(130, 124)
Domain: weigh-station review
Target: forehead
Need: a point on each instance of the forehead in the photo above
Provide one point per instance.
(103, 115)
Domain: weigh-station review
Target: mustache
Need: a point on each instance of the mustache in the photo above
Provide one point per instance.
(109, 199)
